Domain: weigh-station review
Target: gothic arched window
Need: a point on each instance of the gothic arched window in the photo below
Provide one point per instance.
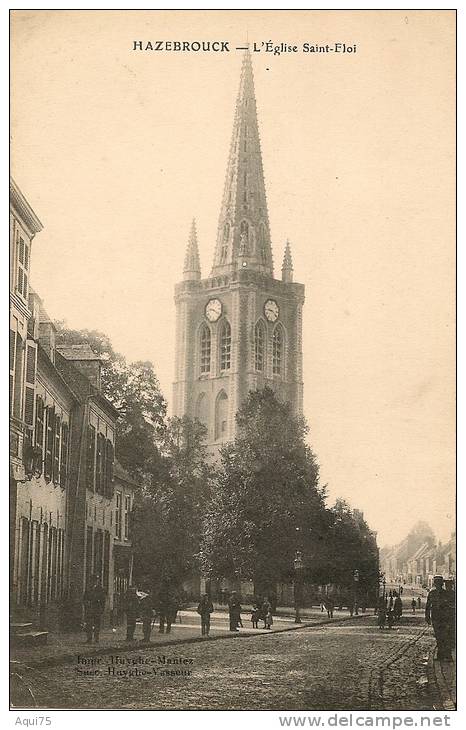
(262, 245)
(244, 238)
(221, 416)
(226, 238)
(202, 409)
(259, 346)
(205, 347)
(225, 346)
(277, 351)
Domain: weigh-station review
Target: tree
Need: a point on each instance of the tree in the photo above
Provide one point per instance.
(168, 518)
(267, 501)
(135, 391)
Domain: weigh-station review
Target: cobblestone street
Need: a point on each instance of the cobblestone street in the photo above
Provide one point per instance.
(347, 666)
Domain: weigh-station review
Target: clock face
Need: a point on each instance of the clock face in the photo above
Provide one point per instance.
(271, 310)
(213, 309)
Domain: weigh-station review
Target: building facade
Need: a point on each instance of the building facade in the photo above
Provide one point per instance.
(69, 512)
(240, 329)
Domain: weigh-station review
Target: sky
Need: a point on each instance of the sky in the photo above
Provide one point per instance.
(117, 150)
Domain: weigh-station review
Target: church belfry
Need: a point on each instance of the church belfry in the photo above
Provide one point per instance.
(240, 329)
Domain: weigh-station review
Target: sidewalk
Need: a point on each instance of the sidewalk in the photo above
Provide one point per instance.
(65, 647)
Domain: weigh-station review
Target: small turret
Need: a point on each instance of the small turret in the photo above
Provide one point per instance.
(192, 264)
(287, 266)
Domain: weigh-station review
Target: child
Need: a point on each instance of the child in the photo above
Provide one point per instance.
(268, 620)
(255, 615)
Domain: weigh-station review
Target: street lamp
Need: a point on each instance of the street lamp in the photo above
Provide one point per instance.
(355, 591)
(298, 566)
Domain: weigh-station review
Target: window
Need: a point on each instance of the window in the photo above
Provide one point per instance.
(245, 187)
(49, 442)
(65, 433)
(22, 259)
(100, 464)
(205, 349)
(221, 416)
(225, 346)
(277, 351)
(244, 238)
(56, 451)
(259, 345)
(225, 241)
(118, 511)
(245, 138)
(30, 383)
(16, 372)
(109, 458)
(39, 435)
(127, 515)
(90, 457)
(262, 244)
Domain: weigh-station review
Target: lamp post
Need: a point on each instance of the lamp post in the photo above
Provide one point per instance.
(298, 567)
(355, 591)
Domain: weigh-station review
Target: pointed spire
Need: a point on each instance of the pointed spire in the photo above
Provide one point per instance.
(287, 265)
(243, 237)
(192, 264)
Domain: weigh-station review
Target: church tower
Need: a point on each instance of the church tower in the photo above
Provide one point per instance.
(240, 329)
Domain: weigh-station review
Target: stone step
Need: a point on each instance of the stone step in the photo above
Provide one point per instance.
(20, 628)
(31, 638)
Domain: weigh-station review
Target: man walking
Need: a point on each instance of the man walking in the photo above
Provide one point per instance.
(397, 608)
(437, 615)
(147, 612)
(94, 604)
(204, 609)
(234, 608)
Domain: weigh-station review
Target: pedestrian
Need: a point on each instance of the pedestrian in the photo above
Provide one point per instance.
(390, 618)
(131, 608)
(413, 605)
(255, 615)
(266, 608)
(204, 609)
(94, 604)
(268, 620)
(437, 614)
(167, 606)
(419, 603)
(234, 610)
(146, 610)
(329, 606)
(450, 616)
(397, 608)
(381, 612)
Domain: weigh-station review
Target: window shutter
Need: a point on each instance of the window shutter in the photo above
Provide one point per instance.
(90, 456)
(64, 454)
(56, 449)
(109, 468)
(98, 465)
(39, 436)
(49, 441)
(30, 383)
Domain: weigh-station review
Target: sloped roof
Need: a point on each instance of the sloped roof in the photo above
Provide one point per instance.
(78, 352)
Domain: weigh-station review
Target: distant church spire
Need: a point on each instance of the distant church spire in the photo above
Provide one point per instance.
(192, 264)
(243, 237)
(287, 266)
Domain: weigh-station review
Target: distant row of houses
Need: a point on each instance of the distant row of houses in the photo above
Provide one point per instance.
(70, 500)
(419, 565)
